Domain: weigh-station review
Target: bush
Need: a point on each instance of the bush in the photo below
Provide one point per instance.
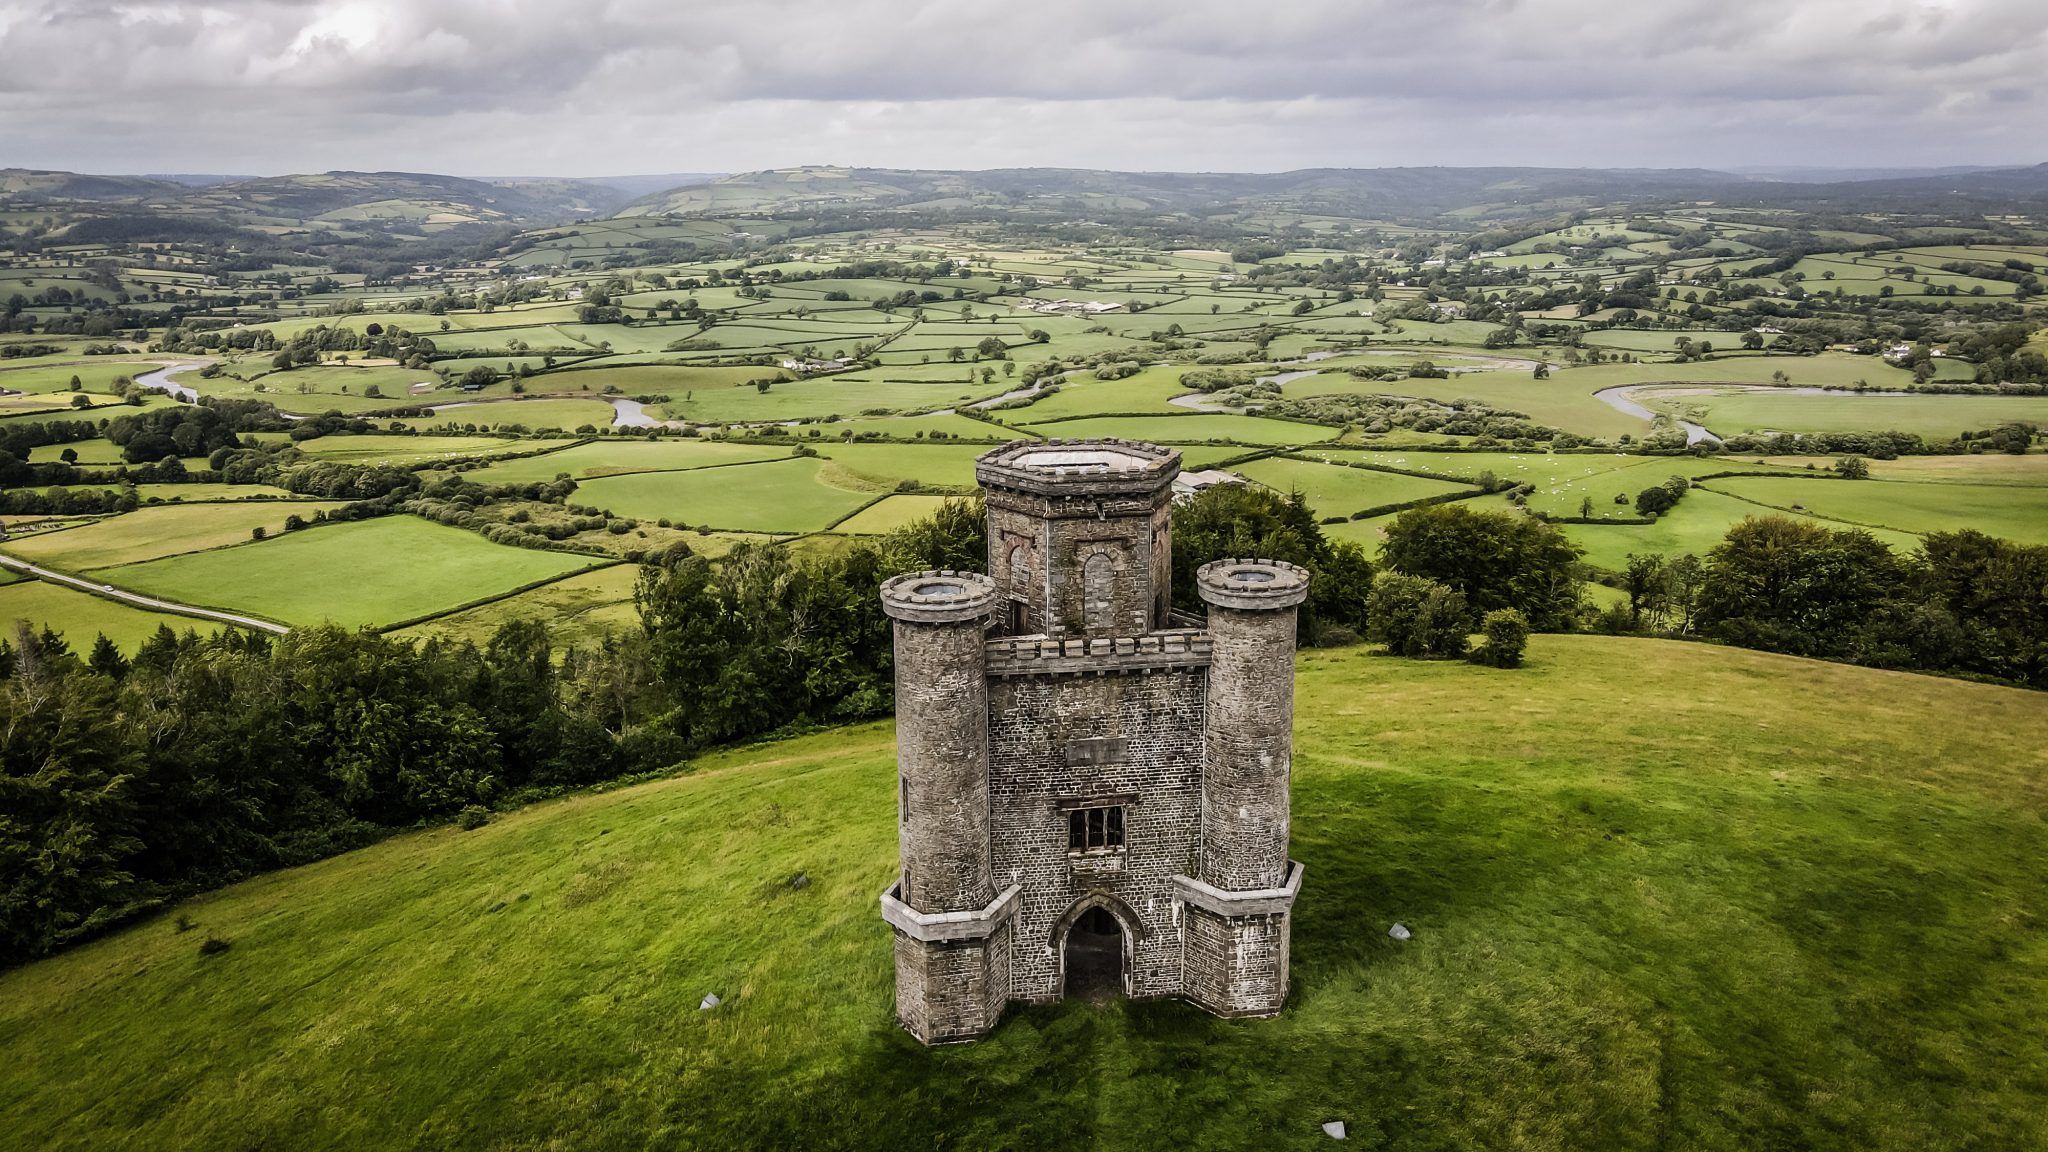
(472, 817)
(213, 946)
(1417, 617)
(1507, 634)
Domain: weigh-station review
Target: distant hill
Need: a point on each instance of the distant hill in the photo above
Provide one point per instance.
(33, 186)
(1337, 190)
(348, 201)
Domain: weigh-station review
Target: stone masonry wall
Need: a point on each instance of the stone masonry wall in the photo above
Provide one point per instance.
(951, 991)
(1236, 966)
(942, 766)
(1250, 749)
(1156, 769)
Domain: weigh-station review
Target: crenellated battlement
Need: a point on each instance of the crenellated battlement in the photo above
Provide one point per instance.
(1044, 656)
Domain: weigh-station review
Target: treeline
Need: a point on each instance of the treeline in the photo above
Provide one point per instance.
(1964, 602)
(127, 784)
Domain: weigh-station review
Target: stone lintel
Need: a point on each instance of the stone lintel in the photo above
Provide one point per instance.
(1257, 902)
(949, 927)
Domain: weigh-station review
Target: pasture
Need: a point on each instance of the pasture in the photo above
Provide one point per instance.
(1717, 919)
(778, 496)
(364, 572)
(80, 617)
(150, 533)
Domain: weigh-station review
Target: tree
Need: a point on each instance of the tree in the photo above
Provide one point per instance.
(1495, 559)
(1231, 520)
(66, 770)
(1644, 580)
(1852, 468)
(1796, 587)
(1507, 636)
(1417, 617)
(106, 658)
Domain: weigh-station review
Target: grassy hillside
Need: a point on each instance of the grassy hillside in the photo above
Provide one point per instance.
(1662, 894)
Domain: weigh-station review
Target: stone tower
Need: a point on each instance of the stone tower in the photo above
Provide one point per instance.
(1092, 789)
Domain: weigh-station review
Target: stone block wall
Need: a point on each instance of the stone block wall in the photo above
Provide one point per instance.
(953, 990)
(1236, 965)
(1153, 765)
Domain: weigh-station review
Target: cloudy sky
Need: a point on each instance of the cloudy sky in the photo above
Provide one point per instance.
(596, 87)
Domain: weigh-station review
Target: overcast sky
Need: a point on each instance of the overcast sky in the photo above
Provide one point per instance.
(597, 87)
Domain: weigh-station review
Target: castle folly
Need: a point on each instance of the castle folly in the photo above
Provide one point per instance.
(1092, 789)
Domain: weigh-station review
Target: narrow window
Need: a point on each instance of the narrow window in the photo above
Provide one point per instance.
(1098, 591)
(1095, 829)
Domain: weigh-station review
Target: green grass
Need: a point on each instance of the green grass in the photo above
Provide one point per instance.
(81, 616)
(363, 572)
(616, 457)
(577, 609)
(889, 514)
(1191, 428)
(815, 399)
(1696, 525)
(150, 533)
(1761, 903)
(882, 466)
(2012, 512)
(541, 413)
(389, 449)
(1936, 417)
(777, 496)
(1333, 490)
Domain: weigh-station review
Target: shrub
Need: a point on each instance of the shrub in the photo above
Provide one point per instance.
(1507, 634)
(472, 817)
(213, 946)
(1417, 617)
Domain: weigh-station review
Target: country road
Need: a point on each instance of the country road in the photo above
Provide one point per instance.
(140, 601)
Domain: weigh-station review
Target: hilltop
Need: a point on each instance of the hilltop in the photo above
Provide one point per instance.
(1661, 894)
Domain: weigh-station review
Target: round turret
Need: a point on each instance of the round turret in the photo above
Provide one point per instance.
(1252, 585)
(939, 597)
(1251, 720)
(942, 737)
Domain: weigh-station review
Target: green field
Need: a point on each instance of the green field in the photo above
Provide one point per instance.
(362, 572)
(149, 533)
(2012, 512)
(775, 496)
(889, 514)
(1935, 417)
(1696, 526)
(1192, 428)
(1333, 490)
(565, 415)
(81, 616)
(1764, 903)
(385, 449)
(578, 609)
(616, 457)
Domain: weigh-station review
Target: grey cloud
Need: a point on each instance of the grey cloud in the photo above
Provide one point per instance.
(490, 86)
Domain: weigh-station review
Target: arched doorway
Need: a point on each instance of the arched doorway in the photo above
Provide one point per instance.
(1094, 956)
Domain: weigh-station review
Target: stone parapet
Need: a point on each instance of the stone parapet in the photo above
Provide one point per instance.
(1043, 656)
(949, 927)
(1104, 467)
(1258, 902)
(939, 596)
(1252, 585)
